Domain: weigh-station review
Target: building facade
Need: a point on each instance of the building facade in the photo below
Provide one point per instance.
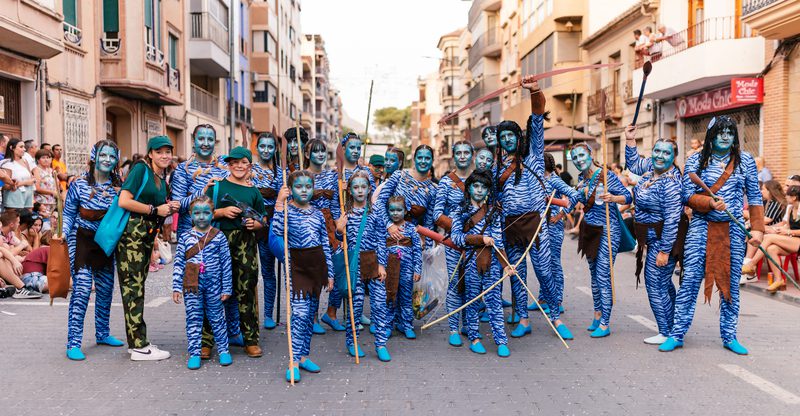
(322, 106)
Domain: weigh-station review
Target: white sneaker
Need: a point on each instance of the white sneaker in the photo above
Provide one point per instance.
(655, 340)
(24, 293)
(148, 353)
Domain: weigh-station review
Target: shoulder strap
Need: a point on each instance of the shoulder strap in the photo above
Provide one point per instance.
(723, 178)
(201, 243)
(507, 174)
(457, 182)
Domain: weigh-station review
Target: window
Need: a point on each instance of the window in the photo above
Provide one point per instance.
(152, 22)
(291, 34)
(292, 73)
(263, 41)
(568, 49)
(219, 10)
(540, 60)
(110, 18)
(534, 13)
(292, 110)
(70, 8)
(173, 51)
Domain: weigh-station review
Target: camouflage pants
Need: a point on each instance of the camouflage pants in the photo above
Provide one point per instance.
(133, 259)
(244, 260)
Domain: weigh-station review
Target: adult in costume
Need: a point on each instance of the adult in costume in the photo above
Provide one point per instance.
(293, 147)
(658, 202)
(88, 199)
(489, 137)
(715, 245)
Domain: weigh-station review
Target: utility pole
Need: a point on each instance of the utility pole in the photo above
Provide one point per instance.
(232, 74)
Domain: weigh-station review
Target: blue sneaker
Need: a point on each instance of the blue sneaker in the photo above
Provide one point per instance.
(352, 352)
(269, 323)
(388, 333)
(318, 329)
(333, 323)
(485, 317)
(383, 354)
(594, 325)
(225, 359)
(513, 318)
(410, 334)
(193, 363)
(507, 303)
(110, 341)
(544, 307)
(237, 341)
(309, 366)
(503, 351)
(520, 331)
(75, 354)
(365, 320)
(477, 348)
(670, 345)
(372, 329)
(736, 347)
(289, 372)
(564, 332)
(561, 308)
(600, 332)
(455, 339)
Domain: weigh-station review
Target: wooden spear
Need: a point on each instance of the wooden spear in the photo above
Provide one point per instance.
(285, 167)
(605, 188)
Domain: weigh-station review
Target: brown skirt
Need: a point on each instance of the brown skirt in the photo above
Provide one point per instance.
(392, 276)
(309, 271)
(589, 237)
(519, 229)
(88, 253)
(368, 265)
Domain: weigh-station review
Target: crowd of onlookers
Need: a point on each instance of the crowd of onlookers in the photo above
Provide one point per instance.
(650, 45)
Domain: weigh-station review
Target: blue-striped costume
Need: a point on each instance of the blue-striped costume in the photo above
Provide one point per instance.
(742, 182)
(188, 182)
(326, 199)
(657, 200)
(267, 181)
(449, 194)
(526, 198)
(99, 197)
(476, 282)
(595, 216)
(214, 280)
(401, 309)
(373, 239)
(306, 229)
(417, 193)
(556, 230)
(349, 172)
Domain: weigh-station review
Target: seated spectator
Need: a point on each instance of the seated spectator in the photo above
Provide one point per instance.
(11, 268)
(34, 268)
(774, 202)
(791, 181)
(695, 146)
(32, 232)
(8, 234)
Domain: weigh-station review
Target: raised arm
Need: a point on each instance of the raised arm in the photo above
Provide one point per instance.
(635, 163)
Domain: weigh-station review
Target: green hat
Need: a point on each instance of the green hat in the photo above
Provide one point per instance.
(239, 152)
(377, 160)
(158, 142)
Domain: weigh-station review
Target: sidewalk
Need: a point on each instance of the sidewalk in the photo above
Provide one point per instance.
(790, 295)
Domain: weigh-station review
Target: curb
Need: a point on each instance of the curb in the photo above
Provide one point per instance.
(779, 296)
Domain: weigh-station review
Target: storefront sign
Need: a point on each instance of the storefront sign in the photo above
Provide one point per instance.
(747, 90)
(708, 102)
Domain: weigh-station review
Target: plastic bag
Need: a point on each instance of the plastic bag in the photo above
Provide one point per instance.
(431, 289)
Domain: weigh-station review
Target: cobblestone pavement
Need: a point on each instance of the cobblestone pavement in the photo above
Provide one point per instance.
(615, 375)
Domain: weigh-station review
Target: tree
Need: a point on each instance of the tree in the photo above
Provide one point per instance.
(393, 118)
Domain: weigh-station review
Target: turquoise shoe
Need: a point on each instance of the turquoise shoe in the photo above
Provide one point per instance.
(670, 345)
(383, 354)
(513, 318)
(410, 334)
(318, 329)
(594, 325)
(484, 317)
(75, 354)
(333, 323)
(352, 352)
(455, 339)
(309, 366)
(365, 320)
(193, 363)
(736, 347)
(507, 304)
(372, 329)
(237, 341)
(564, 332)
(269, 323)
(600, 332)
(520, 331)
(388, 333)
(225, 359)
(110, 341)
(561, 308)
(544, 307)
(289, 374)
(503, 351)
(464, 332)
(477, 348)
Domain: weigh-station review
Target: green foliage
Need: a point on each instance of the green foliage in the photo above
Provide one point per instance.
(393, 118)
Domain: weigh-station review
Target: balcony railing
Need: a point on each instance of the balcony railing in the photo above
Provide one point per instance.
(110, 46)
(488, 39)
(613, 102)
(72, 34)
(205, 102)
(154, 55)
(261, 96)
(716, 28)
(174, 79)
(484, 87)
(752, 6)
(206, 27)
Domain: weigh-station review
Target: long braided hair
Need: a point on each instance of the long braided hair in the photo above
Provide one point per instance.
(519, 153)
(716, 126)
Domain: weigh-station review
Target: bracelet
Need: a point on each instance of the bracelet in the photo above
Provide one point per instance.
(153, 210)
(535, 91)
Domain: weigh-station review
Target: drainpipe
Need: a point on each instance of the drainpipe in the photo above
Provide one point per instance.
(42, 92)
(232, 75)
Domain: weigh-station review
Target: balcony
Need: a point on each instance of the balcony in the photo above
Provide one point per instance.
(146, 77)
(174, 79)
(305, 87)
(205, 102)
(72, 34)
(483, 87)
(773, 19)
(613, 104)
(265, 116)
(208, 45)
(488, 45)
(31, 29)
(479, 6)
(698, 52)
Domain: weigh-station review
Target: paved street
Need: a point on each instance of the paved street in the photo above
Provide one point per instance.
(615, 375)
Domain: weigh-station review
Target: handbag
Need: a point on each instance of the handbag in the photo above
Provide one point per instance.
(353, 256)
(627, 242)
(114, 222)
(58, 266)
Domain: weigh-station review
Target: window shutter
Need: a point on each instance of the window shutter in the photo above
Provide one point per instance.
(110, 15)
(71, 12)
(148, 13)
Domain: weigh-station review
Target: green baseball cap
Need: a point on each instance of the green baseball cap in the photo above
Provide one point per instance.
(158, 142)
(239, 152)
(377, 160)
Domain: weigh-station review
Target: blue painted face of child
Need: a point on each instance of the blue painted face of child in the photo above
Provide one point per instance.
(359, 189)
(302, 190)
(266, 148)
(478, 192)
(204, 141)
(319, 157)
(202, 215)
(352, 150)
(423, 161)
(106, 159)
(397, 212)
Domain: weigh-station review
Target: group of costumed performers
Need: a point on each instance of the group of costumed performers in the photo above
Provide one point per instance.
(500, 205)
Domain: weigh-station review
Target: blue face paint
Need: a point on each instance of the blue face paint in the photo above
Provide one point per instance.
(204, 141)
(293, 147)
(392, 163)
(302, 190)
(397, 212)
(106, 159)
(352, 150)
(319, 157)
(266, 148)
(359, 189)
(484, 159)
(478, 192)
(462, 155)
(663, 156)
(508, 140)
(490, 139)
(202, 214)
(723, 142)
(581, 158)
(423, 161)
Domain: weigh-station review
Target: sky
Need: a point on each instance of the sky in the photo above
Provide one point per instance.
(387, 41)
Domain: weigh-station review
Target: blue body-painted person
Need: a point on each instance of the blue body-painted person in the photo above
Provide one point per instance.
(657, 197)
(394, 161)
(477, 228)
(715, 245)
(371, 261)
(293, 147)
(203, 275)
(449, 195)
(592, 237)
(403, 266)
(268, 178)
(311, 265)
(88, 199)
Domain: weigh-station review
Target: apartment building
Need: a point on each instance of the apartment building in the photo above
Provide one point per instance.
(484, 64)
(453, 89)
(322, 109)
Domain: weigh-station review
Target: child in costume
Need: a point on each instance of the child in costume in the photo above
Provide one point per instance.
(403, 267)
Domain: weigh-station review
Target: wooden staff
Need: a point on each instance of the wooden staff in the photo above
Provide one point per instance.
(340, 166)
(605, 189)
(284, 158)
(300, 149)
(369, 108)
